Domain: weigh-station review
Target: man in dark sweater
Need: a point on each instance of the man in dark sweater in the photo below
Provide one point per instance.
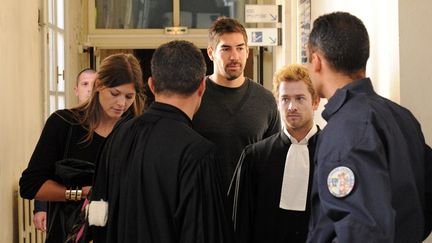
(235, 111)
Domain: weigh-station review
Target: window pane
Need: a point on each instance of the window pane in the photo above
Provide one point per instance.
(52, 69)
(52, 104)
(60, 14)
(201, 13)
(133, 14)
(61, 102)
(60, 62)
(50, 11)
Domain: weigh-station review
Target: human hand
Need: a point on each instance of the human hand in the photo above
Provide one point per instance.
(85, 191)
(39, 220)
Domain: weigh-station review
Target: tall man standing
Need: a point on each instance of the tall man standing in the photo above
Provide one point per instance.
(373, 173)
(235, 111)
(274, 176)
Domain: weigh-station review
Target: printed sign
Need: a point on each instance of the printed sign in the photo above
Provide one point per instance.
(262, 36)
(257, 13)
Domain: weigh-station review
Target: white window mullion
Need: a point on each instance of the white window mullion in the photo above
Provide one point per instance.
(55, 54)
(176, 13)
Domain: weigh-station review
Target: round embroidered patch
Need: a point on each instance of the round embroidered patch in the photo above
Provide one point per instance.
(340, 181)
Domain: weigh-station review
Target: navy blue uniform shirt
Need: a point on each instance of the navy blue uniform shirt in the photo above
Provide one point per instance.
(383, 145)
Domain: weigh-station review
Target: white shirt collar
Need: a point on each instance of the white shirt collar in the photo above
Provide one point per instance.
(305, 140)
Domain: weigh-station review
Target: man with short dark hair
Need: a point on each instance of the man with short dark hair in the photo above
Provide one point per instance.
(235, 110)
(373, 173)
(161, 181)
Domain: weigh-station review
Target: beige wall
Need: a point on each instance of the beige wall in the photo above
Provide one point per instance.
(398, 64)
(415, 17)
(381, 21)
(415, 34)
(21, 98)
(76, 60)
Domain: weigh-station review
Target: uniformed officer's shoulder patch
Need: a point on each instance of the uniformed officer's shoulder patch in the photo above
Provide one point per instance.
(340, 181)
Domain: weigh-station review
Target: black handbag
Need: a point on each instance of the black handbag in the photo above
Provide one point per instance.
(72, 173)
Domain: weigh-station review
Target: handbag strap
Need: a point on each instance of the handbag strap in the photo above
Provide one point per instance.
(66, 150)
(65, 154)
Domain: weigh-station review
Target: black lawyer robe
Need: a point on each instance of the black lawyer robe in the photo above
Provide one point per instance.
(256, 188)
(161, 182)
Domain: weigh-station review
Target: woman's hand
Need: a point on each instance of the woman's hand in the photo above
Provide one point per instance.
(39, 220)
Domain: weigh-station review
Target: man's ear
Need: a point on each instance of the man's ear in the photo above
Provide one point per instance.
(202, 87)
(316, 62)
(210, 52)
(151, 85)
(315, 102)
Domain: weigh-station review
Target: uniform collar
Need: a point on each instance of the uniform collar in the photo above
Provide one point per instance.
(169, 111)
(341, 95)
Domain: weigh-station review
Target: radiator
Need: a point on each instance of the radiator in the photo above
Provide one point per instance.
(26, 230)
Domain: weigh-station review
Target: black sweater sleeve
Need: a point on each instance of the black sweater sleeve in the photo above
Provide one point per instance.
(49, 149)
(40, 206)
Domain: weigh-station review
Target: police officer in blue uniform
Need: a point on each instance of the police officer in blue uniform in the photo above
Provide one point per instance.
(373, 174)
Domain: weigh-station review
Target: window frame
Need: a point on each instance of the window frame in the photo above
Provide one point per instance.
(139, 38)
(54, 55)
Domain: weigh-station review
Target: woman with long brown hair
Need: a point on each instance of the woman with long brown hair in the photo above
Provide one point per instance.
(78, 134)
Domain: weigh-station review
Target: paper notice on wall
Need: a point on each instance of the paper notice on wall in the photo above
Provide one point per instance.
(258, 13)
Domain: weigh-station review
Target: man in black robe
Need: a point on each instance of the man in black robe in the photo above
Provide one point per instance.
(157, 178)
(273, 179)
